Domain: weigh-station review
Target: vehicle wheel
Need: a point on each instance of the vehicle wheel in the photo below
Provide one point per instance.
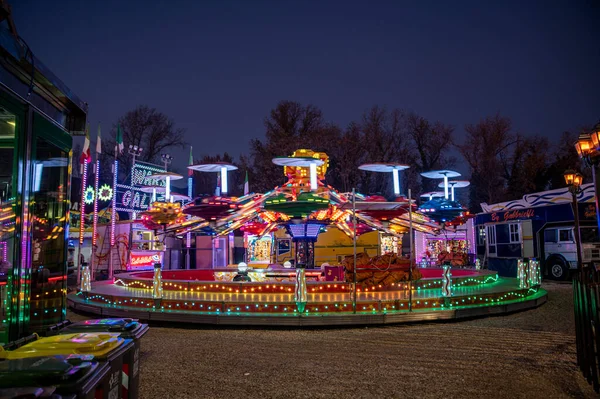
(557, 270)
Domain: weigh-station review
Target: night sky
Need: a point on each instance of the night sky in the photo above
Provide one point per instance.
(218, 67)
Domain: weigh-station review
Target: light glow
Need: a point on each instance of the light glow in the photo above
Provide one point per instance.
(82, 204)
(157, 284)
(113, 212)
(313, 176)
(446, 281)
(97, 193)
(86, 279)
(446, 186)
(224, 187)
(396, 181)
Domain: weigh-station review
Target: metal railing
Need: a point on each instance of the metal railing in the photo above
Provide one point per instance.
(586, 298)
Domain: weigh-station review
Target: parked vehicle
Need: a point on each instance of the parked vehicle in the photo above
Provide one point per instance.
(539, 226)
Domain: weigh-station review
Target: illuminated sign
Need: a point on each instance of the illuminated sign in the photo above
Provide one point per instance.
(513, 215)
(89, 195)
(130, 198)
(590, 212)
(144, 259)
(105, 193)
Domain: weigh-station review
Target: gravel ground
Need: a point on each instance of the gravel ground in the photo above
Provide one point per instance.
(524, 355)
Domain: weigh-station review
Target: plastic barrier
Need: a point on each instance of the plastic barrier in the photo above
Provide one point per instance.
(127, 328)
(59, 376)
(107, 347)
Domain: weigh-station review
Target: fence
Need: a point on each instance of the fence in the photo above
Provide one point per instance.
(586, 297)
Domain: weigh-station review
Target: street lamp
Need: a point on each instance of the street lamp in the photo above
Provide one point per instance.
(588, 149)
(135, 151)
(166, 159)
(574, 180)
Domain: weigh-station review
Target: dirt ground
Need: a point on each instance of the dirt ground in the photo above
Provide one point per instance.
(524, 355)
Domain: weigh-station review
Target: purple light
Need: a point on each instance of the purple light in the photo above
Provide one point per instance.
(113, 212)
(95, 220)
(297, 230)
(4, 250)
(312, 230)
(82, 206)
(188, 236)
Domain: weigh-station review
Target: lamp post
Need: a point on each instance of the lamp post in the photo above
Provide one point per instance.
(574, 180)
(588, 149)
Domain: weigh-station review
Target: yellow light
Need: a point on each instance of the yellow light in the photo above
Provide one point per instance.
(578, 180)
(595, 137)
(569, 176)
(584, 145)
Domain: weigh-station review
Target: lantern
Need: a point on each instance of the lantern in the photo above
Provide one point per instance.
(584, 144)
(569, 176)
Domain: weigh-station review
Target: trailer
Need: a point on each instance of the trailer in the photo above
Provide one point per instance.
(539, 226)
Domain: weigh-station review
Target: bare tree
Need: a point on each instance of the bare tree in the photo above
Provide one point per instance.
(487, 150)
(525, 170)
(432, 143)
(345, 158)
(148, 128)
(565, 157)
(289, 126)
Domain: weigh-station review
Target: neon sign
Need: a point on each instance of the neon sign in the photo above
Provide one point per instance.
(130, 198)
(89, 195)
(590, 212)
(513, 215)
(105, 193)
(145, 259)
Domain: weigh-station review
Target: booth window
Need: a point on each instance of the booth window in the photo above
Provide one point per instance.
(492, 235)
(565, 235)
(515, 234)
(481, 236)
(491, 244)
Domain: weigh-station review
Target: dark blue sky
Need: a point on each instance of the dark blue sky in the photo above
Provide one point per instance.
(218, 67)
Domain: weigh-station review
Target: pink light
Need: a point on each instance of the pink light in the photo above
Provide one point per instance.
(188, 236)
(113, 213)
(4, 250)
(95, 220)
(82, 206)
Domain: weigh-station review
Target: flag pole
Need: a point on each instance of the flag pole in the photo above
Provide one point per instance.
(113, 212)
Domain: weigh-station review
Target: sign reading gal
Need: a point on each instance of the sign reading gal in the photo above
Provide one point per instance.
(131, 198)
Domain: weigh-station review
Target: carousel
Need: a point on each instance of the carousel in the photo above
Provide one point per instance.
(358, 288)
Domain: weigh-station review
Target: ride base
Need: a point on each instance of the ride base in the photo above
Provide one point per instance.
(192, 296)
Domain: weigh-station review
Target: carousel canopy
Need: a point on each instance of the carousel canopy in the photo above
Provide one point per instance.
(302, 162)
(434, 194)
(440, 174)
(382, 167)
(455, 184)
(213, 167)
